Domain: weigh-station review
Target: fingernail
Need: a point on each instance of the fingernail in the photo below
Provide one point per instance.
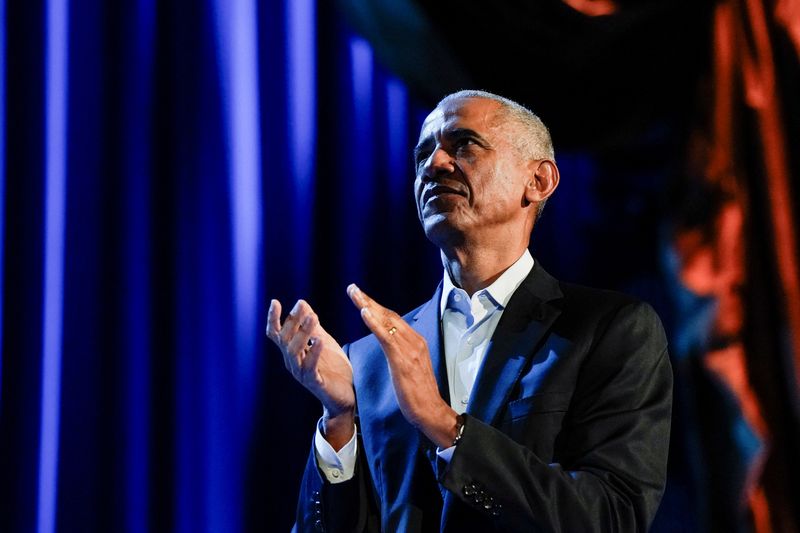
(366, 312)
(352, 289)
(296, 308)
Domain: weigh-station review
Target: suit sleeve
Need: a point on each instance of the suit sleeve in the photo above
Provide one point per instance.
(611, 451)
(349, 506)
(341, 507)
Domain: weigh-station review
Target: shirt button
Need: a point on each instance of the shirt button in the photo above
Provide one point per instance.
(465, 399)
(457, 297)
(469, 340)
(336, 474)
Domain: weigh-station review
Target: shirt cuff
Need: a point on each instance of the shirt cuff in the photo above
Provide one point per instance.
(446, 454)
(337, 467)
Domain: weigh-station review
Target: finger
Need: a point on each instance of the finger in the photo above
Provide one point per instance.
(378, 318)
(293, 321)
(385, 333)
(299, 343)
(311, 360)
(361, 300)
(274, 320)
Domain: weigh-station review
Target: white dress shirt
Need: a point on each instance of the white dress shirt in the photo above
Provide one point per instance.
(468, 324)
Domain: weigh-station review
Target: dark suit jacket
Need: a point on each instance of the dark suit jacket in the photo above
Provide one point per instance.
(567, 428)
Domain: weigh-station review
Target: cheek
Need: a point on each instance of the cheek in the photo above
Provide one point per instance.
(499, 199)
(417, 196)
(490, 190)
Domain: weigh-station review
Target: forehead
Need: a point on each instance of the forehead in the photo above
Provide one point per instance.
(477, 114)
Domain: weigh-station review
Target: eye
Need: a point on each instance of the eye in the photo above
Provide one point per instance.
(422, 152)
(464, 142)
(420, 157)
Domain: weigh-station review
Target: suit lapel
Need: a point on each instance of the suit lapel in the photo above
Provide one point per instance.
(428, 324)
(525, 321)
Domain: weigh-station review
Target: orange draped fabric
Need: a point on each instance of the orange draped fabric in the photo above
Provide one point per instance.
(758, 73)
(713, 259)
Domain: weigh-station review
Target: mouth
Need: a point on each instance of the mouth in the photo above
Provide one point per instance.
(440, 191)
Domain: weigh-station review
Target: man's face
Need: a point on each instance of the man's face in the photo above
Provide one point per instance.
(470, 178)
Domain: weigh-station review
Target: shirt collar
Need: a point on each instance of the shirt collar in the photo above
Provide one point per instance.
(502, 288)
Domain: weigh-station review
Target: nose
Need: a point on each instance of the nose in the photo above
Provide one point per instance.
(439, 163)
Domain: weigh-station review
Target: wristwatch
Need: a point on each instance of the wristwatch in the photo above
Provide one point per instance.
(459, 429)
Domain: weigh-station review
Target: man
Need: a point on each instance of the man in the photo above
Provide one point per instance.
(509, 401)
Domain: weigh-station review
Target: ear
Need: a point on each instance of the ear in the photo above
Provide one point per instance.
(543, 180)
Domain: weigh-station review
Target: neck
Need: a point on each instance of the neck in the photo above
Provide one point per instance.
(474, 268)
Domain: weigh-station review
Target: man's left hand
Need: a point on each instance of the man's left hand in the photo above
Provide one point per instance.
(410, 368)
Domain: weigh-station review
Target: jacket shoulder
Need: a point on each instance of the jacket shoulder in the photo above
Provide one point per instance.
(600, 300)
(607, 311)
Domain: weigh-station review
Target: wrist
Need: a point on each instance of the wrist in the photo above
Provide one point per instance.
(338, 429)
(446, 428)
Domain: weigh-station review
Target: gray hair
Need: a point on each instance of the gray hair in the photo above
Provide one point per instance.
(536, 142)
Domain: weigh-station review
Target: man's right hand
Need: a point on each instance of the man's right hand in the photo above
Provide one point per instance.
(317, 361)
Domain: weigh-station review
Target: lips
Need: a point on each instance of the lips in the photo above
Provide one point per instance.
(438, 190)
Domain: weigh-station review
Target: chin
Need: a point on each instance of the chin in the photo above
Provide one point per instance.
(441, 230)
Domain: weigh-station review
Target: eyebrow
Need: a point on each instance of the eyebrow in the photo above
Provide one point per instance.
(451, 135)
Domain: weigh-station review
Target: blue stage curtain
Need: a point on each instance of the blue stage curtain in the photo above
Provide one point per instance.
(166, 169)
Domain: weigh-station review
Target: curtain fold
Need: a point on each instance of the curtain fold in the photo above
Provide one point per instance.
(160, 181)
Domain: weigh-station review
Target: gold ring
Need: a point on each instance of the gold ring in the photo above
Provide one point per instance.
(392, 330)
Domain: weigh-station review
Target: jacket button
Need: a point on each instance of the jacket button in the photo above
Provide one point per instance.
(318, 525)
